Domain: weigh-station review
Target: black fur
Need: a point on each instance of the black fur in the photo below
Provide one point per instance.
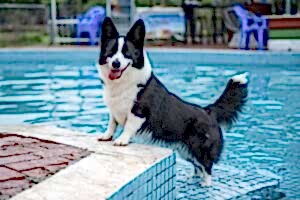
(168, 117)
(171, 119)
(132, 48)
(109, 40)
(226, 108)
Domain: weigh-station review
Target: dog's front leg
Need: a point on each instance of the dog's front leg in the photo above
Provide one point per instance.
(112, 124)
(132, 125)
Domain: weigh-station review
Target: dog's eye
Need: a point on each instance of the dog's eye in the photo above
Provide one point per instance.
(127, 53)
(137, 53)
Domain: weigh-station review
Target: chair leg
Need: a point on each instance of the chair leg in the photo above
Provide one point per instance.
(78, 36)
(247, 40)
(241, 40)
(260, 39)
(93, 37)
(266, 38)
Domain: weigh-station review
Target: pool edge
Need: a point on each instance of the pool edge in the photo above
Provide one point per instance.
(141, 155)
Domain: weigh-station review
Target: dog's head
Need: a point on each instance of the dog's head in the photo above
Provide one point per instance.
(119, 53)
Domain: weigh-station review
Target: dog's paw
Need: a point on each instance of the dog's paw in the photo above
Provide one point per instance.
(207, 182)
(105, 137)
(121, 142)
(198, 173)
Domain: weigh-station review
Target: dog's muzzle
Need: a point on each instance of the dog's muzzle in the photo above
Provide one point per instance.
(116, 73)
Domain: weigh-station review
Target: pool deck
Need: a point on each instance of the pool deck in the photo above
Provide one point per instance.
(104, 170)
(84, 168)
(26, 161)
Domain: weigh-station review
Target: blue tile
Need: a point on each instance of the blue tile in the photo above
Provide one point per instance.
(159, 167)
(145, 191)
(147, 175)
(154, 194)
(142, 179)
(170, 173)
(149, 187)
(149, 197)
(158, 192)
(167, 161)
(161, 177)
(173, 194)
(153, 181)
(173, 181)
(158, 180)
(170, 185)
(163, 164)
(155, 169)
(130, 197)
(166, 172)
(139, 193)
(162, 190)
(167, 186)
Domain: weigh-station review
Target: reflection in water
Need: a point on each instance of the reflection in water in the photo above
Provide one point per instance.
(267, 135)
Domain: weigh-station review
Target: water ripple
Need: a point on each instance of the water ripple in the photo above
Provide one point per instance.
(267, 135)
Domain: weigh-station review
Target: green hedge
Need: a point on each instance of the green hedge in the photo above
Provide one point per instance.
(285, 34)
(23, 39)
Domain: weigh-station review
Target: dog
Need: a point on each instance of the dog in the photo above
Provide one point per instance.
(139, 102)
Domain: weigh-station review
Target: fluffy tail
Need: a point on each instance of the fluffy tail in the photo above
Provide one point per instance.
(230, 103)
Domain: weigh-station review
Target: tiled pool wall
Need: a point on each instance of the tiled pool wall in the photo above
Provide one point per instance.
(157, 182)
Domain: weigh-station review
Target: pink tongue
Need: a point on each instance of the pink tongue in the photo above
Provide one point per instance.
(114, 74)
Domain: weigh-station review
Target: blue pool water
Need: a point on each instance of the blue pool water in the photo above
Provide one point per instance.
(62, 88)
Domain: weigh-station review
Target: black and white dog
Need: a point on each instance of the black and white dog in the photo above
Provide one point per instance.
(140, 103)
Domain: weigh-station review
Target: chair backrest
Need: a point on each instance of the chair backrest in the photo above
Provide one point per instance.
(231, 20)
(248, 20)
(241, 11)
(95, 13)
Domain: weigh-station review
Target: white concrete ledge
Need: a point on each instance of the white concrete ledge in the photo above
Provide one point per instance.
(99, 175)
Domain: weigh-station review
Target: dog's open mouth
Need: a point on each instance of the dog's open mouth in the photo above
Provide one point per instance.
(116, 74)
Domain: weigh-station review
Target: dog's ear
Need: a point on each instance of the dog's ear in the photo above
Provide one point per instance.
(137, 33)
(109, 30)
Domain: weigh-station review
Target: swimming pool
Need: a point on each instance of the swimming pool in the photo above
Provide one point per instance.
(61, 87)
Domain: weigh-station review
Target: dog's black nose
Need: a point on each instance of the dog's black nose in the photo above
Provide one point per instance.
(116, 64)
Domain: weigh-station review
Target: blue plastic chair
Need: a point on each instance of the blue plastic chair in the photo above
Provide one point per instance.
(251, 23)
(90, 23)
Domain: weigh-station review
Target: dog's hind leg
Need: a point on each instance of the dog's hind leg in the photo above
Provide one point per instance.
(201, 171)
(206, 177)
(198, 168)
(203, 160)
(132, 125)
(204, 171)
(112, 124)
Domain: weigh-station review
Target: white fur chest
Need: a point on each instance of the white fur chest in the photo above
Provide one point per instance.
(119, 100)
(119, 95)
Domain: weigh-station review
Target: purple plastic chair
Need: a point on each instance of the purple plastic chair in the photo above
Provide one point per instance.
(90, 22)
(251, 23)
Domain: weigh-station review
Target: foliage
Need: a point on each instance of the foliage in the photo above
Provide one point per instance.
(23, 39)
(30, 1)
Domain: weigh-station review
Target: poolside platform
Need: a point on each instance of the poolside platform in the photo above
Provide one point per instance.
(46, 162)
(105, 172)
